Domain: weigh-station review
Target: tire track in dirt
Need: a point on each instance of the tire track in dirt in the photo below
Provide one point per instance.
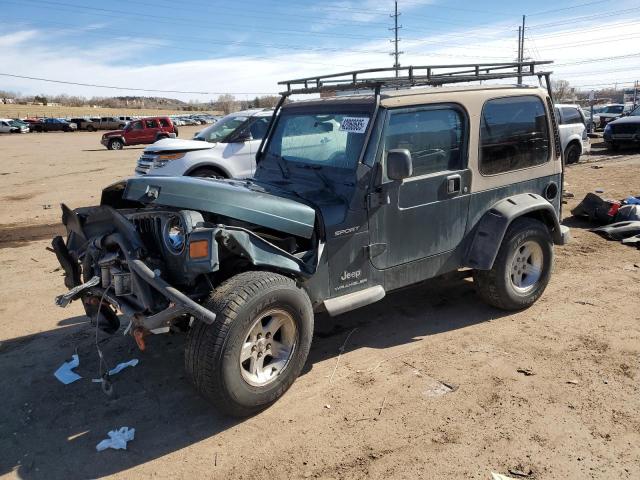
(17, 234)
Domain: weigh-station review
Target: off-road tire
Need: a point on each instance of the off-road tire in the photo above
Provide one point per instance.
(213, 351)
(115, 144)
(207, 172)
(495, 286)
(572, 154)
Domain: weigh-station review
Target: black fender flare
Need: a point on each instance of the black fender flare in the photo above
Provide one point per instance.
(213, 166)
(490, 230)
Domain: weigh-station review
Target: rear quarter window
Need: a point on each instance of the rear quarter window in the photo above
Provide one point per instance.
(514, 134)
(571, 115)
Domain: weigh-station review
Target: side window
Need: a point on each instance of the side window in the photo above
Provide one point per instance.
(513, 134)
(571, 115)
(433, 136)
(259, 127)
(150, 123)
(164, 122)
(136, 126)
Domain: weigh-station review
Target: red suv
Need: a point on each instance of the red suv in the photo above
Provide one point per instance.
(142, 131)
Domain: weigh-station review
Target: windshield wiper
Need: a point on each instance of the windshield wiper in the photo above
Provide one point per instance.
(284, 168)
(316, 169)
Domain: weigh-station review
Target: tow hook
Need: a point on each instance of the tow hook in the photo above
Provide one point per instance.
(138, 335)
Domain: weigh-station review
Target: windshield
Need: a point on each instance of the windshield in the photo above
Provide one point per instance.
(613, 109)
(222, 129)
(635, 113)
(319, 139)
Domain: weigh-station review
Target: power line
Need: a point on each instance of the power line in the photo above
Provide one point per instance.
(184, 21)
(568, 8)
(584, 18)
(601, 59)
(49, 80)
(205, 40)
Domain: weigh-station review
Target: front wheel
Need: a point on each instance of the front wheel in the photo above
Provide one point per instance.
(250, 356)
(207, 172)
(522, 268)
(115, 144)
(572, 154)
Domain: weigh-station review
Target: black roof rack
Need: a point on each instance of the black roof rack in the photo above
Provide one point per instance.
(405, 77)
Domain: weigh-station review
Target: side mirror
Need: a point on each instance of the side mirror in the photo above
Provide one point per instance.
(242, 137)
(399, 164)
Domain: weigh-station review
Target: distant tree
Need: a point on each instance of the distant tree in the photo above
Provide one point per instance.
(227, 103)
(562, 90)
(40, 99)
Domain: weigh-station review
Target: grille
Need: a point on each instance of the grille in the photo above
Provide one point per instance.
(144, 164)
(625, 128)
(150, 230)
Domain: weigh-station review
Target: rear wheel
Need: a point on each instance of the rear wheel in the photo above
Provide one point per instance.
(572, 154)
(250, 356)
(115, 144)
(522, 268)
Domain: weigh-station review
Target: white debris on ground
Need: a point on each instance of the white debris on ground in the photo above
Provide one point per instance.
(118, 368)
(65, 372)
(117, 439)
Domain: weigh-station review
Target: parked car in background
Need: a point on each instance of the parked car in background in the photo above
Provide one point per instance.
(81, 123)
(612, 111)
(7, 126)
(53, 125)
(591, 122)
(125, 119)
(24, 126)
(226, 149)
(106, 123)
(623, 131)
(140, 132)
(573, 132)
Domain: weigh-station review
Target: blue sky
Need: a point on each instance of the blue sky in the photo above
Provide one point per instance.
(245, 47)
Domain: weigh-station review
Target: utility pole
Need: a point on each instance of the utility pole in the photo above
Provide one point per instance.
(519, 59)
(396, 53)
(521, 31)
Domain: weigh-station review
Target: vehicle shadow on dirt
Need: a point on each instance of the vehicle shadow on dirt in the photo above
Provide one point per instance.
(51, 429)
(104, 149)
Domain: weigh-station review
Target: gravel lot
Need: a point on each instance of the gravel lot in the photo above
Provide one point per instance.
(428, 384)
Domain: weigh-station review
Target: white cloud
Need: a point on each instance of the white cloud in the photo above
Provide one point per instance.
(22, 53)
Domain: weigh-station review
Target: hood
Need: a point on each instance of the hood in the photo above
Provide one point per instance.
(177, 144)
(113, 133)
(241, 200)
(628, 119)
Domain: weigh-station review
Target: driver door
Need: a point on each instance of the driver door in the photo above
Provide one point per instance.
(426, 214)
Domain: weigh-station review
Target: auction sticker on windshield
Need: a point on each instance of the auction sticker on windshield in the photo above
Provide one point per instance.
(354, 124)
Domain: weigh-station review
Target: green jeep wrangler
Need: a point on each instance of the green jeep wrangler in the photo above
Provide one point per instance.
(354, 196)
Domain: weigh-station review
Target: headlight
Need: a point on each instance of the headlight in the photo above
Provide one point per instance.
(175, 235)
(161, 160)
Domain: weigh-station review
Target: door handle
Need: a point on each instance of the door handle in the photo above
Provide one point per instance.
(454, 183)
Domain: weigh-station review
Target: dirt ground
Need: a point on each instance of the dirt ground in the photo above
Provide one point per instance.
(427, 384)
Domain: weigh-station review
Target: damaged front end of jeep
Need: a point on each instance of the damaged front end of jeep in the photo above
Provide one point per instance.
(155, 248)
